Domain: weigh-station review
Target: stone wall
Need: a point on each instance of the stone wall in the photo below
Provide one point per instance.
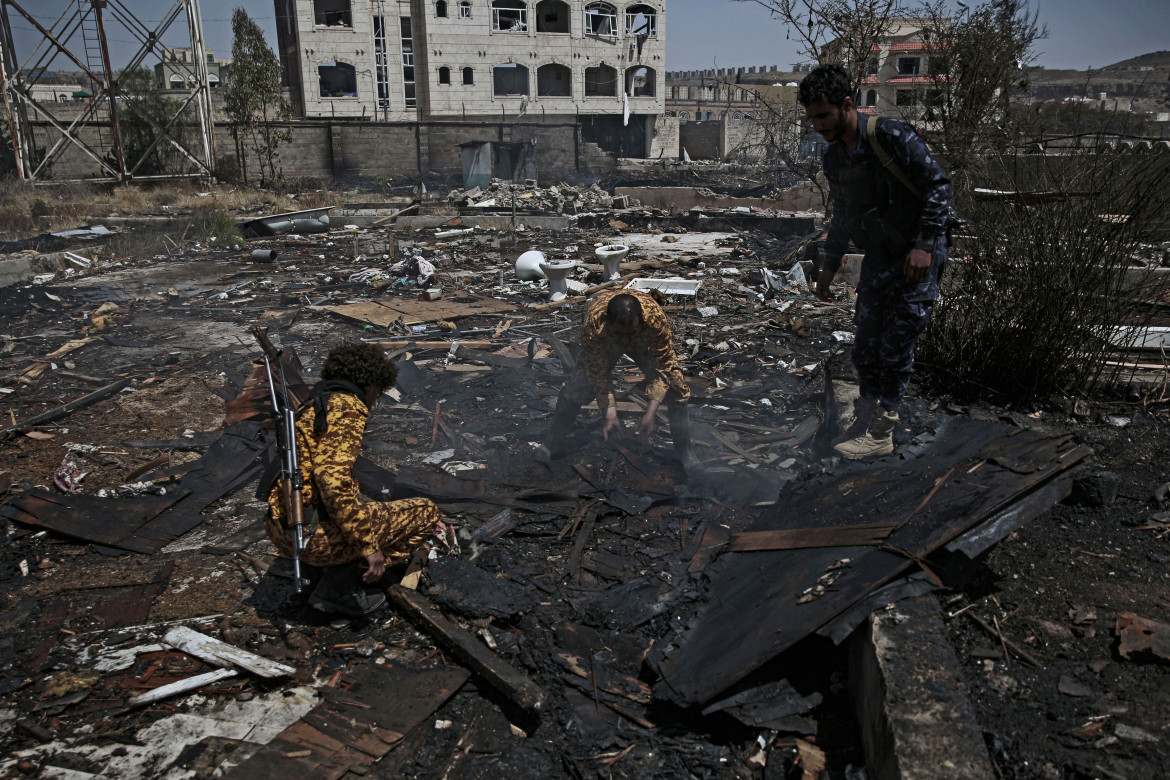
(354, 151)
(702, 140)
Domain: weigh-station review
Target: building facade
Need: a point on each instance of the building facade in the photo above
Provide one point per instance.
(176, 70)
(480, 60)
(898, 80)
(739, 113)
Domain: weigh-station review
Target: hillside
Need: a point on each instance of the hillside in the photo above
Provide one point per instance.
(1145, 78)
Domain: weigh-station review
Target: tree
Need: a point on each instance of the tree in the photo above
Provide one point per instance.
(146, 120)
(977, 62)
(253, 102)
(837, 31)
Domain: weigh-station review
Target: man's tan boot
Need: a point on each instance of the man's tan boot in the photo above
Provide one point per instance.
(878, 439)
(856, 422)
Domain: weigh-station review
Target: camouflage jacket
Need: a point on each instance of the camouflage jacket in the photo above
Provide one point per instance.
(651, 348)
(909, 151)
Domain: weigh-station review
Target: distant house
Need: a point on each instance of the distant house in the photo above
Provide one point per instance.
(898, 80)
(177, 70)
(599, 63)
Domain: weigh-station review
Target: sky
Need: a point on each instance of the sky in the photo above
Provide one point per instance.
(729, 33)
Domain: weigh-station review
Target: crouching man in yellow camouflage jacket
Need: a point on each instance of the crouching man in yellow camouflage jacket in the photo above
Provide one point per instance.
(626, 322)
(354, 540)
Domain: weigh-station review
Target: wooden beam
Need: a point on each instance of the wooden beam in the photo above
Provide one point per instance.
(869, 534)
(182, 686)
(69, 408)
(423, 613)
(219, 653)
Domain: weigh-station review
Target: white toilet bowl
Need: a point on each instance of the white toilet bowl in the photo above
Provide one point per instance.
(528, 266)
(557, 272)
(611, 256)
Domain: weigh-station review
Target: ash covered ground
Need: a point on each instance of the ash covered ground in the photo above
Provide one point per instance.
(600, 564)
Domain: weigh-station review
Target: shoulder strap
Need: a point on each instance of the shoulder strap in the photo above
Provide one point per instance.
(887, 159)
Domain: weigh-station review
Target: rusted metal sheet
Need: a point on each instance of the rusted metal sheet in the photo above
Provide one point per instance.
(1142, 638)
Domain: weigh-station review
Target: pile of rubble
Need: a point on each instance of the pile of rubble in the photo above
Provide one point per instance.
(528, 196)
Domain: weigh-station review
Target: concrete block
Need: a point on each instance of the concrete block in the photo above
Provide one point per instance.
(915, 716)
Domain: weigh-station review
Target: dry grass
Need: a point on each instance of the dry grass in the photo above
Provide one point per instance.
(27, 210)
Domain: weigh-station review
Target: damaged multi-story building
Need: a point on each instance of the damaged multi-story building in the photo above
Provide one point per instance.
(562, 73)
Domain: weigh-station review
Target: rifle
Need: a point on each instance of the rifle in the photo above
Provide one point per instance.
(290, 471)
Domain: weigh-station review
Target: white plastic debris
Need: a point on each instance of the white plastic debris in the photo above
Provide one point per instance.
(438, 457)
(843, 337)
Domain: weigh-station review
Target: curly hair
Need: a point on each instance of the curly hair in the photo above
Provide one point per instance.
(625, 309)
(365, 365)
(825, 83)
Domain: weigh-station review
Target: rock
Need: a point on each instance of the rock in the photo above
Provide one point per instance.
(1070, 687)
(1094, 489)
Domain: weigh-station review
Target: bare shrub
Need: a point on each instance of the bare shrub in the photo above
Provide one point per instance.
(1032, 301)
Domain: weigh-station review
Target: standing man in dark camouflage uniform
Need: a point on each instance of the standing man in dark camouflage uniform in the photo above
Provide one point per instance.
(902, 236)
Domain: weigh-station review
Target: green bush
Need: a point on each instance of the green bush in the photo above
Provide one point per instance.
(214, 226)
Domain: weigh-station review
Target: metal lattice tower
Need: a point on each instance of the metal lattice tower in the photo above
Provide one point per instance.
(41, 133)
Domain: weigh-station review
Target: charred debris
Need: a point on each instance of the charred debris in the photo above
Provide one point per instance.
(604, 618)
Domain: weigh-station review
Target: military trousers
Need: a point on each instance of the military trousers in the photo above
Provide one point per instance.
(891, 314)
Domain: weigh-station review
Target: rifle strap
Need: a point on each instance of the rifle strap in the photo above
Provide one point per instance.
(887, 160)
(320, 398)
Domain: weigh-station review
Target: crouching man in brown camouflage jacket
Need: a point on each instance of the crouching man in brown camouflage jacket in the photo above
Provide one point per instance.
(353, 540)
(626, 322)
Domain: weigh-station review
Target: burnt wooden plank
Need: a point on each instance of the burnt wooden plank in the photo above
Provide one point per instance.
(236, 458)
(803, 538)
(974, 470)
(507, 680)
(107, 521)
(417, 693)
(361, 720)
(133, 608)
(66, 409)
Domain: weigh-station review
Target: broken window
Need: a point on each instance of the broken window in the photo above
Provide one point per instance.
(642, 19)
(552, 16)
(909, 66)
(337, 79)
(601, 81)
(554, 81)
(684, 115)
(407, 41)
(444, 75)
(601, 19)
(465, 9)
(468, 75)
(736, 116)
(332, 13)
(509, 16)
(908, 98)
(640, 81)
(509, 80)
(871, 65)
(441, 9)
